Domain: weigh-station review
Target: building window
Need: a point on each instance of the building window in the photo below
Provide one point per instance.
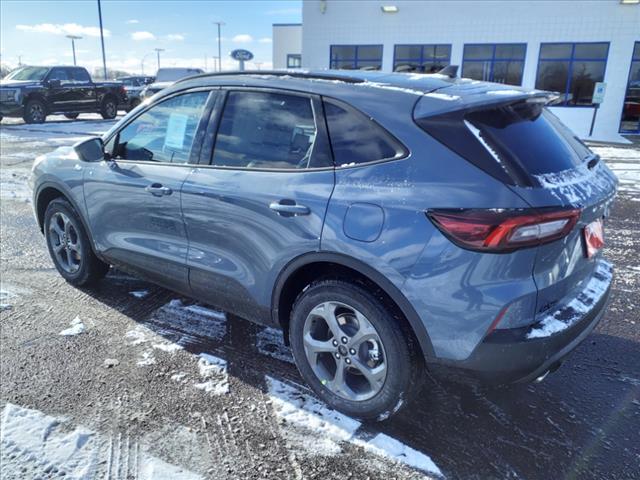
(572, 69)
(294, 60)
(491, 62)
(421, 58)
(631, 110)
(356, 57)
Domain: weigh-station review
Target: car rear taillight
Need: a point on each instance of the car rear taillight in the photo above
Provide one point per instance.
(503, 230)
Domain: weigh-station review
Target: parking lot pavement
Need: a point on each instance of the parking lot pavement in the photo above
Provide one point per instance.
(128, 380)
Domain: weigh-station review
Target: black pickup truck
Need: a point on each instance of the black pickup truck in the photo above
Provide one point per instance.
(35, 92)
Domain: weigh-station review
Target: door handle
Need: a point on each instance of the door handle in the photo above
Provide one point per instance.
(158, 190)
(289, 208)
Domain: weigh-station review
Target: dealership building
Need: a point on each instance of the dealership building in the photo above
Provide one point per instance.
(566, 46)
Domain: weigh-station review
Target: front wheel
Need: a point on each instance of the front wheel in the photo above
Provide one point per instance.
(35, 111)
(69, 245)
(109, 108)
(351, 350)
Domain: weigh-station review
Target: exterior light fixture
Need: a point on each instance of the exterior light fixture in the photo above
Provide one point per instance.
(393, 8)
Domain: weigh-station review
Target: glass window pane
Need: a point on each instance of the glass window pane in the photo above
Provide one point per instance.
(357, 139)
(343, 52)
(265, 130)
(59, 74)
(583, 77)
(631, 108)
(408, 52)
(591, 50)
(508, 72)
(478, 52)
(512, 50)
(443, 52)
(369, 65)
(370, 52)
(344, 65)
(80, 75)
(407, 66)
(433, 67)
(165, 132)
(477, 70)
(636, 51)
(552, 76)
(555, 50)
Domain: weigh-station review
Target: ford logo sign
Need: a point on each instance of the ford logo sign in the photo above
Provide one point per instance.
(241, 55)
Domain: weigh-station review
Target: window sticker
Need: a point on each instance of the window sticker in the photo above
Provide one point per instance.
(176, 129)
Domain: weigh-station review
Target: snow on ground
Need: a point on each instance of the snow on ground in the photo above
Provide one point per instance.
(213, 371)
(270, 342)
(76, 327)
(36, 445)
(139, 293)
(625, 163)
(13, 184)
(308, 422)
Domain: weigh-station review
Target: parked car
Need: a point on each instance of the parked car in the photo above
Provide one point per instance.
(133, 87)
(35, 92)
(388, 223)
(167, 76)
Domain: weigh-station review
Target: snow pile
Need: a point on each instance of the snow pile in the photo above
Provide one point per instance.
(386, 86)
(309, 422)
(578, 184)
(36, 445)
(575, 310)
(442, 96)
(76, 327)
(270, 342)
(214, 372)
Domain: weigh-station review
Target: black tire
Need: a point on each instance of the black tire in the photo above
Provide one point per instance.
(90, 268)
(71, 116)
(402, 367)
(109, 108)
(35, 111)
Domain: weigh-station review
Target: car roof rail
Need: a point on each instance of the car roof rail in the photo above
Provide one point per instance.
(280, 73)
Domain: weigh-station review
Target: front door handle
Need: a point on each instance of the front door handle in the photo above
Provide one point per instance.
(158, 190)
(289, 208)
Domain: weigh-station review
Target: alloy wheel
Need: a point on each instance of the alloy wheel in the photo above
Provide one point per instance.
(37, 113)
(344, 351)
(65, 242)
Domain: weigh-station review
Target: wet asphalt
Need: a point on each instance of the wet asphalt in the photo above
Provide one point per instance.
(582, 422)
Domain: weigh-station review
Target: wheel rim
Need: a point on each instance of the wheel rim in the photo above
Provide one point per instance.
(37, 112)
(110, 109)
(65, 243)
(345, 351)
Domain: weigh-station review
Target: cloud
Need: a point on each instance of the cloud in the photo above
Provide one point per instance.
(285, 11)
(175, 37)
(64, 29)
(133, 21)
(265, 40)
(242, 38)
(142, 36)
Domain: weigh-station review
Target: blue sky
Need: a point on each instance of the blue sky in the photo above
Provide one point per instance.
(36, 30)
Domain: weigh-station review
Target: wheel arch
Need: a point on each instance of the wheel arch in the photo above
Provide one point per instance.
(36, 96)
(300, 271)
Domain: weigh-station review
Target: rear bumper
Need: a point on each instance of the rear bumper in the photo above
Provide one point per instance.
(515, 356)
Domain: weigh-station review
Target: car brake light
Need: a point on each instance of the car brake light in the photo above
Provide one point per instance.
(503, 230)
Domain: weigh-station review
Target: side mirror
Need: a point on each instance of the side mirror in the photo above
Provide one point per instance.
(55, 83)
(90, 150)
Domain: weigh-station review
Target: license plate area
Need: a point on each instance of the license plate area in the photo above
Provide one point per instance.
(593, 235)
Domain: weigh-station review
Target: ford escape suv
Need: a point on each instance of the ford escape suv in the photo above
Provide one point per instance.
(388, 223)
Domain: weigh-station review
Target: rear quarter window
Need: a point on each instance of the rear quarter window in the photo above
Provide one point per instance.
(356, 138)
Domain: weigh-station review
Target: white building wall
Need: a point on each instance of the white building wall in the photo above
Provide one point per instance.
(287, 39)
(332, 22)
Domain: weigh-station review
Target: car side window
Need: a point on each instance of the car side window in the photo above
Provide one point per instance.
(59, 74)
(80, 75)
(265, 130)
(357, 139)
(164, 133)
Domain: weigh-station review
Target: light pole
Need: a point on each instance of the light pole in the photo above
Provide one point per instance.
(215, 63)
(142, 62)
(219, 47)
(158, 50)
(104, 58)
(73, 45)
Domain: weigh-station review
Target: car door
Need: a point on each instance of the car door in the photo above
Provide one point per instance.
(60, 88)
(261, 199)
(133, 199)
(83, 92)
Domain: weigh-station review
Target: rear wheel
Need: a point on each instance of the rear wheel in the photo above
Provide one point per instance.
(109, 108)
(71, 116)
(69, 245)
(35, 111)
(351, 350)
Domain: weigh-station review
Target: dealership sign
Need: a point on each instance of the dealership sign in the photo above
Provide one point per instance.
(241, 55)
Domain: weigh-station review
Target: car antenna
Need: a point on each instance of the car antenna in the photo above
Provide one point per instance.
(450, 71)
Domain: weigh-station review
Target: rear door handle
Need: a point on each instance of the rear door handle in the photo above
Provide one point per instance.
(289, 209)
(158, 190)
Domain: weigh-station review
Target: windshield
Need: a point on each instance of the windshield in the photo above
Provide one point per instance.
(28, 73)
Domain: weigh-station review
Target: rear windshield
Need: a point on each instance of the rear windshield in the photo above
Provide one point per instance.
(530, 136)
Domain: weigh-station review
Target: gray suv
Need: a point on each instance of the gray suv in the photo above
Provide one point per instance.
(387, 223)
